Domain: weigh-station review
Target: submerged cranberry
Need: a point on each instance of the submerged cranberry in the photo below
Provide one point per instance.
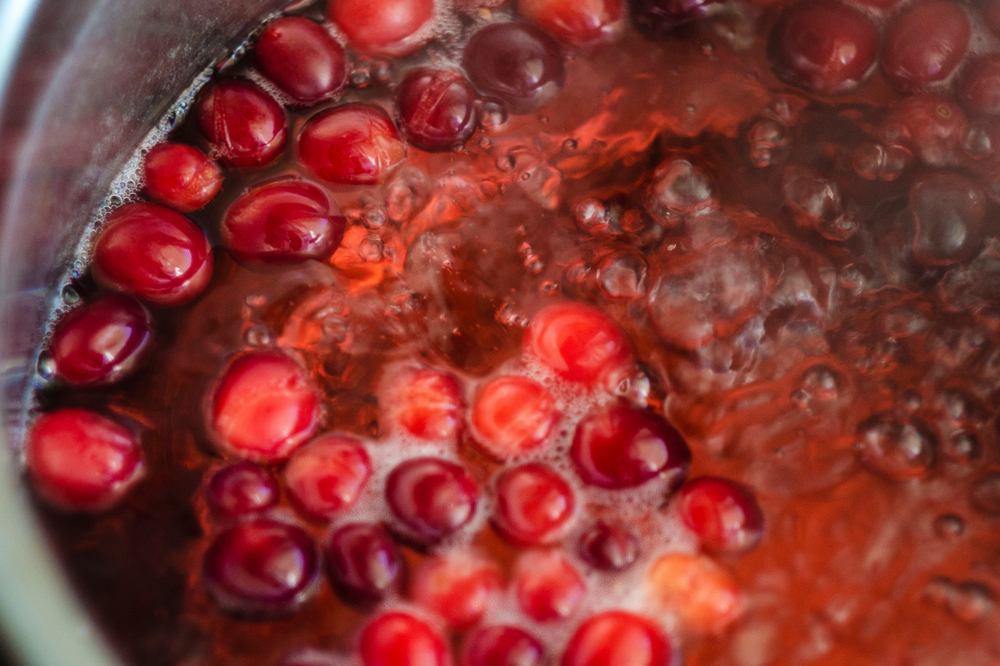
(501, 645)
(949, 212)
(924, 44)
(533, 504)
(428, 403)
(609, 547)
(438, 109)
(724, 514)
(364, 562)
(387, 27)
(301, 58)
(181, 176)
(547, 586)
(457, 588)
(79, 460)
(573, 21)
(240, 489)
(242, 124)
(703, 595)
(978, 88)
(432, 498)
(354, 144)
(616, 637)
(578, 341)
(327, 475)
(513, 414)
(660, 18)
(154, 253)
(516, 63)
(401, 639)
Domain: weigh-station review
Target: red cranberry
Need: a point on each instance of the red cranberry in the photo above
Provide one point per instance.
(387, 27)
(328, 475)
(949, 211)
(457, 588)
(261, 568)
(978, 88)
(432, 498)
(364, 562)
(181, 176)
(353, 144)
(932, 126)
(547, 586)
(154, 253)
(81, 461)
(609, 547)
(660, 18)
(513, 414)
(516, 63)
(621, 446)
(427, 403)
(264, 406)
(824, 46)
(615, 637)
(724, 514)
(703, 594)
(573, 21)
(533, 504)
(101, 342)
(501, 646)
(578, 341)
(401, 639)
(301, 58)
(285, 221)
(241, 489)
(925, 44)
(242, 124)
(438, 109)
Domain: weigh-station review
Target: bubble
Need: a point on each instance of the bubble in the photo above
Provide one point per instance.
(592, 216)
(492, 115)
(258, 335)
(46, 366)
(549, 287)
(766, 137)
(971, 601)
(948, 212)
(896, 447)
(678, 188)
(407, 194)
(623, 275)
(334, 328)
(70, 295)
(962, 448)
(821, 382)
(505, 163)
(569, 144)
(370, 249)
(949, 526)
(373, 216)
(815, 203)
(360, 77)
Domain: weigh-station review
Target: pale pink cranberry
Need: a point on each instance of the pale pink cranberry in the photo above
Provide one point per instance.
(432, 498)
(609, 547)
(579, 342)
(264, 406)
(703, 594)
(662, 18)
(241, 489)
(150, 251)
(501, 645)
(614, 637)
(284, 221)
(513, 415)
(261, 568)
(301, 58)
(428, 403)
(533, 504)
(387, 27)
(547, 586)
(438, 109)
(401, 639)
(978, 88)
(242, 124)
(932, 126)
(327, 475)
(364, 562)
(924, 44)
(81, 461)
(573, 21)
(181, 176)
(352, 144)
(991, 16)
(458, 588)
(724, 514)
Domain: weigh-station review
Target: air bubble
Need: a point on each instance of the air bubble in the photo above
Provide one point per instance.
(360, 77)
(370, 249)
(534, 264)
(507, 316)
(492, 115)
(765, 137)
(815, 204)
(407, 194)
(334, 328)
(896, 447)
(255, 300)
(505, 163)
(591, 216)
(258, 335)
(971, 601)
(373, 217)
(70, 295)
(949, 526)
(821, 382)
(623, 275)
(46, 366)
(549, 288)
(678, 188)
(569, 144)
(962, 448)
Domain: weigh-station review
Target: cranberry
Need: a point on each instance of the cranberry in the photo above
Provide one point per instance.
(616, 637)
(533, 504)
(432, 498)
(301, 58)
(353, 144)
(388, 27)
(932, 126)
(578, 341)
(81, 461)
(401, 639)
(925, 44)
(660, 18)
(621, 446)
(364, 562)
(154, 253)
(438, 109)
(264, 406)
(609, 547)
(978, 88)
(181, 176)
(513, 414)
(948, 214)
(284, 221)
(501, 645)
(328, 475)
(242, 124)
(458, 588)
(724, 514)
(703, 594)
(261, 568)
(573, 21)
(547, 586)
(240, 489)
(991, 16)
(101, 342)
(427, 403)
(517, 63)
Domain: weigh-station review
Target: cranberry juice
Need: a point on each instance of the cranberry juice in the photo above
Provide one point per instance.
(548, 332)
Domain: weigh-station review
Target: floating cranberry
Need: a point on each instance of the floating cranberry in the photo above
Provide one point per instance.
(242, 124)
(364, 562)
(533, 504)
(724, 514)
(948, 214)
(457, 588)
(924, 44)
(327, 475)
(428, 403)
(978, 88)
(573, 21)
(578, 341)
(617, 637)
(353, 144)
(500, 645)
(513, 414)
(261, 568)
(438, 109)
(895, 447)
(154, 253)
(301, 58)
(432, 498)
(181, 176)
(516, 63)
(932, 126)
(241, 489)
(703, 594)
(661, 18)
(264, 406)
(388, 27)
(400, 639)
(81, 461)
(547, 586)
(609, 547)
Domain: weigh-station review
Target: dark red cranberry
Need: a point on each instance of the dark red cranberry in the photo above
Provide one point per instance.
(932, 126)
(621, 446)
(609, 547)
(261, 568)
(458, 588)
(978, 88)
(513, 414)
(353, 144)
(327, 475)
(301, 58)
(181, 176)
(264, 406)
(401, 639)
(533, 504)
(241, 489)
(823, 46)
(242, 124)
(154, 253)
(501, 645)
(724, 514)
(949, 212)
(101, 342)
(438, 109)
(612, 636)
(364, 562)
(661, 18)
(284, 221)
(578, 341)
(924, 44)
(79, 460)
(516, 63)
(387, 27)
(428, 403)
(547, 586)
(573, 21)
(432, 498)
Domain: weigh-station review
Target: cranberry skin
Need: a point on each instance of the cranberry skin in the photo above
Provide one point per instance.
(621, 446)
(501, 646)
(80, 461)
(352, 144)
(533, 504)
(978, 88)
(547, 586)
(286, 221)
(579, 342)
(513, 415)
(609, 547)
(401, 639)
(301, 58)
(327, 475)
(242, 124)
(618, 637)
(427, 403)
(387, 27)
(516, 63)
(364, 562)
(925, 44)
(661, 18)
(823, 46)
(458, 588)
(438, 109)
(181, 176)
(724, 514)
(241, 489)
(261, 568)
(573, 21)
(150, 251)
(264, 406)
(101, 342)
(432, 498)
